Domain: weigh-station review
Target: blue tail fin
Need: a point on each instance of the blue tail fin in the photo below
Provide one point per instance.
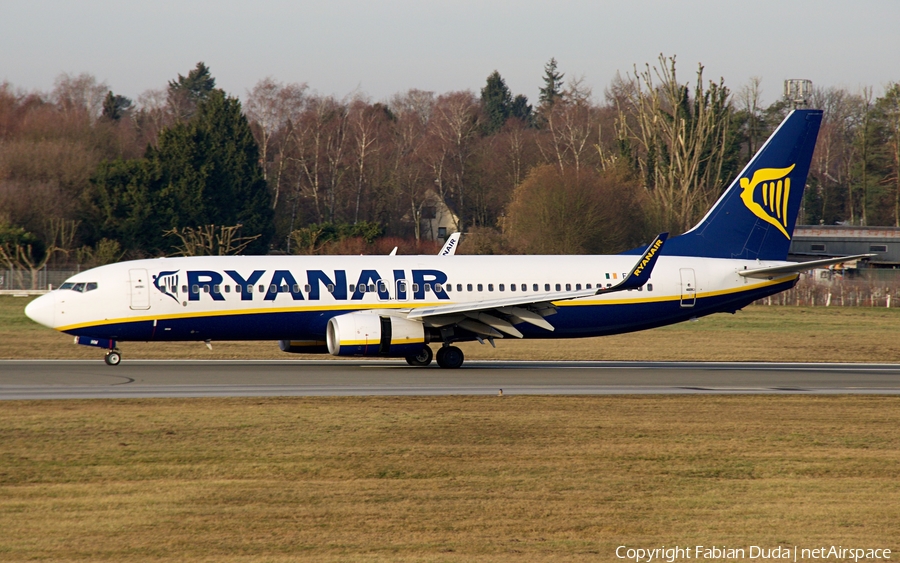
(754, 218)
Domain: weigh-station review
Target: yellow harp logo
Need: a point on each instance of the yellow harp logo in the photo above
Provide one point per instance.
(775, 186)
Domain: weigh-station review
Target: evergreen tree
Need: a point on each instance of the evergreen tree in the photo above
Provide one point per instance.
(114, 106)
(209, 172)
(521, 109)
(496, 100)
(204, 171)
(553, 82)
(187, 92)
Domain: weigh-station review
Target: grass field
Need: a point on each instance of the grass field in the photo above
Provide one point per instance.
(812, 334)
(459, 478)
(443, 479)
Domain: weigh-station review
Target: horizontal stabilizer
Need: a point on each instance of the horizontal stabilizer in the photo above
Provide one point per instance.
(796, 267)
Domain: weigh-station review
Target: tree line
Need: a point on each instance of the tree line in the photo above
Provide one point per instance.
(88, 176)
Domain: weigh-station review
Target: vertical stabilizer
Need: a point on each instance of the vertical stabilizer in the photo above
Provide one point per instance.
(754, 218)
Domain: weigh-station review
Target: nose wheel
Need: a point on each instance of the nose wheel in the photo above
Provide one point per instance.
(113, 357)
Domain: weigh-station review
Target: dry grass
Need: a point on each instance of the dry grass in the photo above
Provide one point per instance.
(802, 334)
(443, 479)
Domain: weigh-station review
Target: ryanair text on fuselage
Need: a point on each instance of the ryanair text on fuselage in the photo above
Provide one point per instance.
(422, 283)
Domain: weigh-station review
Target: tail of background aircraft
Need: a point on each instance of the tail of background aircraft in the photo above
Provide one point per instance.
(754, 218)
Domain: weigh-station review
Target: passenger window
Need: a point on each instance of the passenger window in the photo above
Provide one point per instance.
(273, 288)
(401, 286)
(568, 287)
(459, 287)
(534, 287)
(382, 287)
(468, 287)
(546, 287)
(330, 288)
(91, 286)
(216, 289)
(262, 288)
(512, 287)
(525, 287)
(480, 287)
(502, 287)
(67, 285)
(415, 288)
(237, 288)
(195, 288)
(649, 287)
(296, 288)
(587, 286)
(306, 288)
(607, 276)
(227, 289)
(439, 288)
(490, 287)
(371, 288)
(427, 288)
(184, 289)
(577, 286)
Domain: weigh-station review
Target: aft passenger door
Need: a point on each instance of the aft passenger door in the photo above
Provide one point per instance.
(688, 287)
(140, 289)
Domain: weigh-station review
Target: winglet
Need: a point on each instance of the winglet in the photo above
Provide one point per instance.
(640, 274)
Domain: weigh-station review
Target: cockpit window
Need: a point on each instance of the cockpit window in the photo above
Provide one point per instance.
(82, 287)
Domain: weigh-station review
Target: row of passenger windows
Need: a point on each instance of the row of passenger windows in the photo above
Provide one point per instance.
(402, 287)
(80, 287)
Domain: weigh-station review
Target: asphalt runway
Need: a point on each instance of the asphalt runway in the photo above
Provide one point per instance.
(175, 378)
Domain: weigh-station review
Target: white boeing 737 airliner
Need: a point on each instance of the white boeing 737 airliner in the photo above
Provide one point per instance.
(394, 306)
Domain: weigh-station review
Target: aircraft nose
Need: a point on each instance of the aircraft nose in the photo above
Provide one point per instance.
(43, 310)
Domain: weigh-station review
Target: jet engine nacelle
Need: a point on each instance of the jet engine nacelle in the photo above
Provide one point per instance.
(370, 334)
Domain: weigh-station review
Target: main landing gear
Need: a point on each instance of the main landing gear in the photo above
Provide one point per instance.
(448, 357)
(113, 357)
(422, 358)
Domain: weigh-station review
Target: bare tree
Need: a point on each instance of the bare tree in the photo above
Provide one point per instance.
(454, 127)
(681, 141)
(80, 94)
(571, 123)
(273, 108)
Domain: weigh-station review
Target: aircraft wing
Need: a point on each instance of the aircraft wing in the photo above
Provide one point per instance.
(492, 318)
(773, 271)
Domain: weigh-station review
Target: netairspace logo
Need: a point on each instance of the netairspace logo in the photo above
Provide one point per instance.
(751, 553)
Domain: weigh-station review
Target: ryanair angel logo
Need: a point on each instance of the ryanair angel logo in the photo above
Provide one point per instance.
(167, 283)
(775, 186)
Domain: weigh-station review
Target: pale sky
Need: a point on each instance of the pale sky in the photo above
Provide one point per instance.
(385, 47)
